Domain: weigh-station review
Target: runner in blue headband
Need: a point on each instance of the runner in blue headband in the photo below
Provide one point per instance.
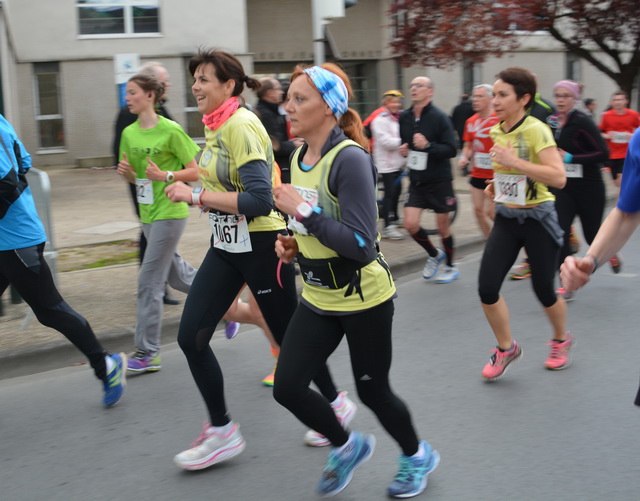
(332, 88)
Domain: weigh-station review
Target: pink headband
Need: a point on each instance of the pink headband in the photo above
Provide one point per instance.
(572, 87)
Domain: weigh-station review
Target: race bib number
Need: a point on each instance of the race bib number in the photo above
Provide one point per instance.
(144, 191)
(573, 170)
(230, 233)
(510, 189)
(417, 160)
(482, 161)
(619, 137)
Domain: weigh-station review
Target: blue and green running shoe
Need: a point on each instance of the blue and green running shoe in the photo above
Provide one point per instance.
(116, 380)
(339, 470)
(411, 478)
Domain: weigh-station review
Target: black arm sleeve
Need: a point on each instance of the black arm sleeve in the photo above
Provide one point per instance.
(257, 199)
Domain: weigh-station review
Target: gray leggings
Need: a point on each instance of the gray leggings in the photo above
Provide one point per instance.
(161, 264)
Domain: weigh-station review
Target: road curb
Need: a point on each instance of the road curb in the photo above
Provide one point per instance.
(45, 356)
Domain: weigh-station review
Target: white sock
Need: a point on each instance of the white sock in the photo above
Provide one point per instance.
(421, 452)
(222, 430)
(338, 401)
(110, 363)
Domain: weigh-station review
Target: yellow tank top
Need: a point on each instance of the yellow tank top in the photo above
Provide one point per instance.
(370, 285)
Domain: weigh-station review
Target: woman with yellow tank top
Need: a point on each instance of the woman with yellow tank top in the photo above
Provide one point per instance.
(347, 286)
(526, 162)
(236, 171)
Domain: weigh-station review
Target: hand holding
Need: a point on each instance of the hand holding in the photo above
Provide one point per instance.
(154, 173)
(178, 192)
(576, 272)
(286, 248)
(504, 155)
(287, 199)
(420, 141)
(124, 167)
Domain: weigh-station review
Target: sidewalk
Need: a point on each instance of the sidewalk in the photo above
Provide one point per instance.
(93, 206)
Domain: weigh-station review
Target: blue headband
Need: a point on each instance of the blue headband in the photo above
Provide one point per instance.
(332, 88)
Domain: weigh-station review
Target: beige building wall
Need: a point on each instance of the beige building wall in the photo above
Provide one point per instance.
(270, 37)
(88, 94)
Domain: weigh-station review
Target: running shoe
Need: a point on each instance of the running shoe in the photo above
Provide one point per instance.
(447, 275)
(568, 296)
(391, 232)
(574, 242)
(500, 361)
(521, 272)
(141, 361)
(411, 478)
(560, 354)
(432, 265)
(616, 264)
(340, 465)
(345, 410)
(270, 378)
(231, 328)
(116, 380)
(210, 448)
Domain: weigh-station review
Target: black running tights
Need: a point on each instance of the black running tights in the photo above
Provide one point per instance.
(219, 279)
(311, 338)
(506, 239)
(27, 270)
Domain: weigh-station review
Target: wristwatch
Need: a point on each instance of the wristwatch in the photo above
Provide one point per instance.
(170, 177)
(303, 211)
(196, 194)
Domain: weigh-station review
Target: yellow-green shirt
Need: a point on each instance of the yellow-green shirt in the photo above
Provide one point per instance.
(240, 140)
(528, 139)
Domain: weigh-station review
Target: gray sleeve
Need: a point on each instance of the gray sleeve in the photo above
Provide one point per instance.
(353, 180)
(257, 199)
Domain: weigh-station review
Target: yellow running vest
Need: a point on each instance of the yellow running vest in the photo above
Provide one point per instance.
(332, 282)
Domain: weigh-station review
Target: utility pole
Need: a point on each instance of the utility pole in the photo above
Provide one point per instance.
(322, 12)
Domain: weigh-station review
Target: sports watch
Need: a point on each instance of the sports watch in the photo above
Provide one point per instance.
(303, 211)
(196, 194)
(170, 177)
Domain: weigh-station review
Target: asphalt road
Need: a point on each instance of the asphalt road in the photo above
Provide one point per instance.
(534, 435)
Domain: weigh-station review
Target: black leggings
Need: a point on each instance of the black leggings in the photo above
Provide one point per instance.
(27, 270)
(505, 241)
(584, 200)
(392, 189)
(311, 338)
(215, 286)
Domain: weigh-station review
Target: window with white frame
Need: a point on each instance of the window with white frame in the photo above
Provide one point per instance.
(118, 17)
(470, 75)
(49, 116)
(194, 127)
(574, 67)
(398, 22)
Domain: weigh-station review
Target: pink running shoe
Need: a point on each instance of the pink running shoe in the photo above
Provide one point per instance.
(500, 361)
(560, 354)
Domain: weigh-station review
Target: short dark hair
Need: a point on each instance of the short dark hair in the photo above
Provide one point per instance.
(522, 81)
(227, 67)
(589, 101)
(621, 92)
(266, 84)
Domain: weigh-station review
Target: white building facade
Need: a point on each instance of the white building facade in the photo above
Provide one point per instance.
(58, 77)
